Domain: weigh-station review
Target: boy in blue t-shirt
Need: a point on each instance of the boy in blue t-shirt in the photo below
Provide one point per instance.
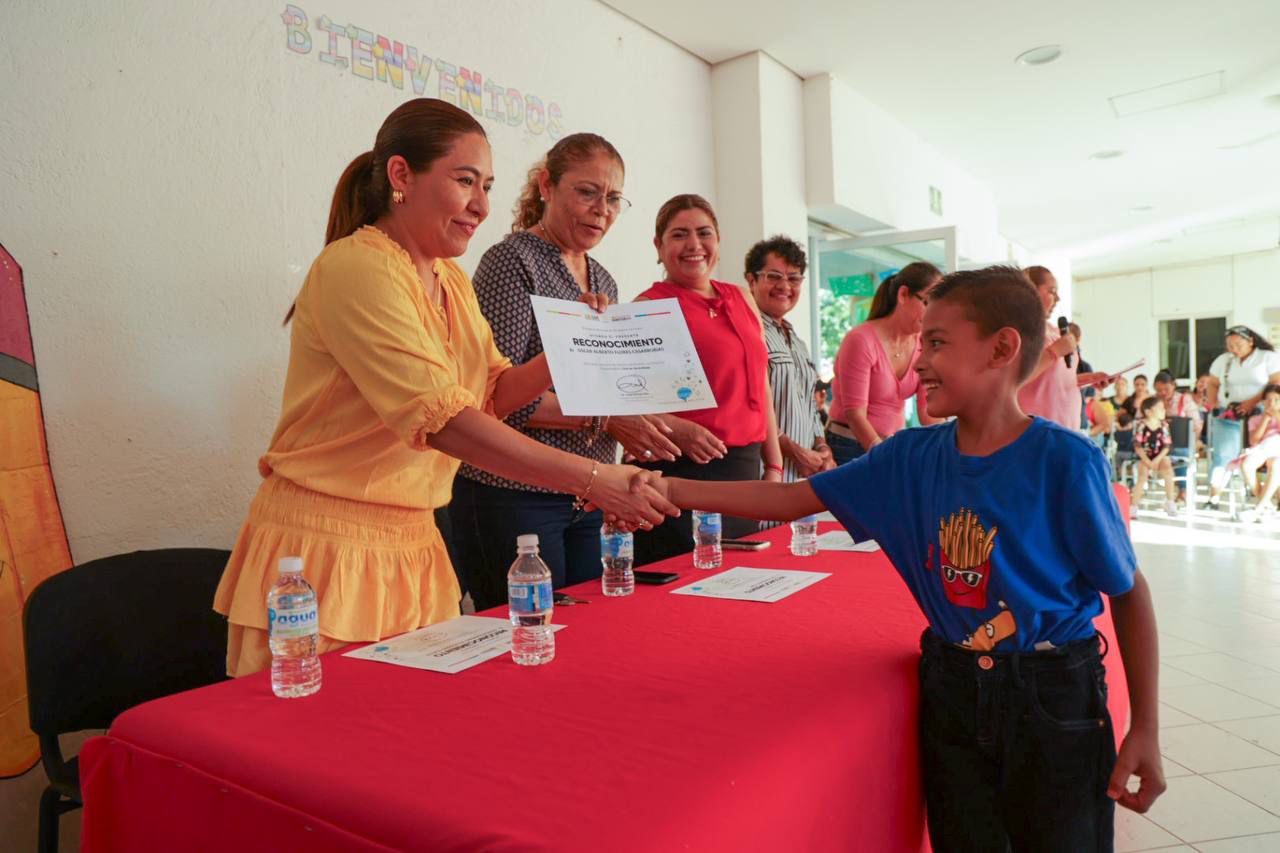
(1006, 531)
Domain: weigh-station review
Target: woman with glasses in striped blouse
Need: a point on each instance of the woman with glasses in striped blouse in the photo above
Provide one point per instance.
(775, 273)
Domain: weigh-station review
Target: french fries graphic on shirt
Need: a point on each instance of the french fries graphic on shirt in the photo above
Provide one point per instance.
(965, 569)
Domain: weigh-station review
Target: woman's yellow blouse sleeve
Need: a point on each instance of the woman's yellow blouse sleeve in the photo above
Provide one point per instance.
(366, 315)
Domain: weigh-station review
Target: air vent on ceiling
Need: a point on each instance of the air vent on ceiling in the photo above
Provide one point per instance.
(1168, 95)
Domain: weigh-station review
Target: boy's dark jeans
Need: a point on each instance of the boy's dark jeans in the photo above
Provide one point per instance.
(1016, 749)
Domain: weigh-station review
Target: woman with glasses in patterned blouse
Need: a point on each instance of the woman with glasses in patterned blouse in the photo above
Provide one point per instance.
(569, 203)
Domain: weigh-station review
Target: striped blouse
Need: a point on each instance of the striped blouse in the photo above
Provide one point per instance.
(793, 376)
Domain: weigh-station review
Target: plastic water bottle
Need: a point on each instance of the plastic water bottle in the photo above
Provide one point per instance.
(804, 536)
(706, 540)
(293, 629)
(617, 548)
(530, 597)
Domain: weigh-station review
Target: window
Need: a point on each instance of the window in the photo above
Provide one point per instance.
(1189, 345)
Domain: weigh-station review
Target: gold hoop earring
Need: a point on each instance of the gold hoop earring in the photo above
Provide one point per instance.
(397, 196)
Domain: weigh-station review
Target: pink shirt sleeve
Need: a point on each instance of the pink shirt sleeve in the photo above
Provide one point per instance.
(853, 373)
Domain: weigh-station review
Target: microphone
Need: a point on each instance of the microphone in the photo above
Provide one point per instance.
(1065, 329)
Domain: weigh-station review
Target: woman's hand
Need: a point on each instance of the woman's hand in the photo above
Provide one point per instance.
(597, 301)
(1063, 346)
(807, 461)
(1098, 379)
(642, 506)
(696, 441)
(643, 437)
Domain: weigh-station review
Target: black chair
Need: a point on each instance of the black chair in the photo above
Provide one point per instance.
(111, 634)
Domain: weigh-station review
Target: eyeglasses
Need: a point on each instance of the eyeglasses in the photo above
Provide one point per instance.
(795, 279)
(588, 196)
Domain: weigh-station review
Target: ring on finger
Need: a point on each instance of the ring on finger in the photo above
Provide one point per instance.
(647, 453)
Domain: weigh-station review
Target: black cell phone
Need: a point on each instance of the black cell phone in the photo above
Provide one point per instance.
(743, 544)
(655, 577)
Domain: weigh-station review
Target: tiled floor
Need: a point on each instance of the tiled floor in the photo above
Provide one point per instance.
(1217, 597)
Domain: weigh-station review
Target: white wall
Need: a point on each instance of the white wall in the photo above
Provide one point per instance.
(166, 180)
(867, 171)
(758, 118)
(1120, 313)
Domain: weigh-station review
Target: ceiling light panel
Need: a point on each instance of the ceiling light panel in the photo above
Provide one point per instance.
(1168, 95)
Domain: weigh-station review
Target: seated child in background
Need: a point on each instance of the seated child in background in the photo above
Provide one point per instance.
(1006, 531)
(1264, 449)
(1152, 444)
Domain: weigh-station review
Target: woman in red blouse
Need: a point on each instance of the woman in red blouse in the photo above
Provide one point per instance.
(730, 441)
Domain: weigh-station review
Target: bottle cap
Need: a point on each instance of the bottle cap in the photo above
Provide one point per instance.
(527, 540)
(288, 565)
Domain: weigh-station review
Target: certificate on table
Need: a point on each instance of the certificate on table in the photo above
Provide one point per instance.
(746, 584)
(840, 540)
(452, 646)
(635, 358)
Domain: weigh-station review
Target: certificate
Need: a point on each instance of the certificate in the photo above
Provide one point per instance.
(840, 540)
(745, 584)
(631, 359)
(452, 646)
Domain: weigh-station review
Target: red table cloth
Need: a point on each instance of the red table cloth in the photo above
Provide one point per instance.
(666, 722)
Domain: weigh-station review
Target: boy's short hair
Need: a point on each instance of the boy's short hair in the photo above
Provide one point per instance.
(1163, 376)
(1149, 404)
(1271, 389)
(1123, 418)
(994, 298)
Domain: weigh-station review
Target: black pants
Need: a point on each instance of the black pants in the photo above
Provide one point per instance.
(675, 535)
(1016, 749)
(487, 520)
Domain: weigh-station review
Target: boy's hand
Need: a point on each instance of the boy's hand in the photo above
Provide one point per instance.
(1139, 756)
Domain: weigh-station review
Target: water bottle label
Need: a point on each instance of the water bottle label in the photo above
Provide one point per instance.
(708, 523)
(292, 623)
(530, 598)
(618, 546)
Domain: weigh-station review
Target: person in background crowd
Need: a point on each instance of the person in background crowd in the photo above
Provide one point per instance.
(1236, 382)
(774, 271)
(392, 369)
(730, 441)
(1177, 404)
(1119, 392)
(1264, 449)
(1053, 391)
(1141, 392)
(1152, 443)
(570, 202)
(1239, 375)
(821, 393)
(1100, 415)
(1201, 397)
(874, 369)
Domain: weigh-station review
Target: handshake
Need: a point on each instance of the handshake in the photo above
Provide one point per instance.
(632, 498)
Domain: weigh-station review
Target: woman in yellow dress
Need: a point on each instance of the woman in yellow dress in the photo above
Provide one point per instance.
(393, 378)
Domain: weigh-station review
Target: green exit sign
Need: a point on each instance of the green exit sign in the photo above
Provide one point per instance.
(852, 285)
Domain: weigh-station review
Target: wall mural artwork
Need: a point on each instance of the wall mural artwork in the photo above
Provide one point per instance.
(33, 543)
(380, 59)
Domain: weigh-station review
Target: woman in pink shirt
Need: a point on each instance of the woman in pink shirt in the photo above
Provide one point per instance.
(875, 367)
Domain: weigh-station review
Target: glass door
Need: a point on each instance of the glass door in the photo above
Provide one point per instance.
(845, 274)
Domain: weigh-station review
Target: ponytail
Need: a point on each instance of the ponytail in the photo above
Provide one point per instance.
(917, 277)
(530, 206)
(349, 210)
